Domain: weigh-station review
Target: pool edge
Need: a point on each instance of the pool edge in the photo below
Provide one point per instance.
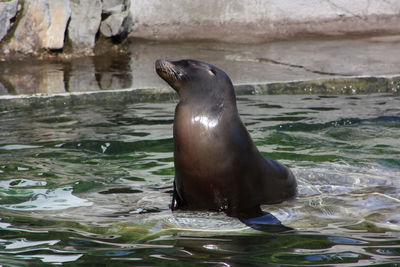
(334, 86)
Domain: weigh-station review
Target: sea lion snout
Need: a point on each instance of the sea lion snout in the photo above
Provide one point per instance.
(170, 72)
(160, 63)
(162, 67)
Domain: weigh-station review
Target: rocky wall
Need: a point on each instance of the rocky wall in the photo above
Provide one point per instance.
(33, 26)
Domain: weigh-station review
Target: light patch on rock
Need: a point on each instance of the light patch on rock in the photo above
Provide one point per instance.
(84, 24)
(117, 24)
(8, 10)
(42, 26)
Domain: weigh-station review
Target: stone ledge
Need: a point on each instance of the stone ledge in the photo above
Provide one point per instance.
(338, 86)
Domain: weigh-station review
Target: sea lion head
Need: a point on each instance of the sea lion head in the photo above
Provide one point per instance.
(190, 77)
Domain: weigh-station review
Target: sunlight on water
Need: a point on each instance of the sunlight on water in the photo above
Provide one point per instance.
(93, 184)
(49, 199)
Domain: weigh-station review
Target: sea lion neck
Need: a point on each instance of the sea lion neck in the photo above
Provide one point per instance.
(213, 105)
(213, 108)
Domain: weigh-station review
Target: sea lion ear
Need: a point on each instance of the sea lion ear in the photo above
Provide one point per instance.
(212, 72)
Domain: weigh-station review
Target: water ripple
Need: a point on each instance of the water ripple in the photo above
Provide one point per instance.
(92, 185)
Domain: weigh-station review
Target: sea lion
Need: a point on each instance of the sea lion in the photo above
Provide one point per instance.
(217, 165)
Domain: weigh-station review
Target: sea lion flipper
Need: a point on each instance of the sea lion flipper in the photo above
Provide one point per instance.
(176, 200)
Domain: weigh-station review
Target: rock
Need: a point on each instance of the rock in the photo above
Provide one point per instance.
(42, 26)
(84, 24)
(8, 10)
(117, 24)
(115, 6)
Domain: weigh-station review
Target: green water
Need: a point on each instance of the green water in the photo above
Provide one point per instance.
(91, 185)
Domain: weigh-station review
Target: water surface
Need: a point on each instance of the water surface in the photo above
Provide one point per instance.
(83, 185)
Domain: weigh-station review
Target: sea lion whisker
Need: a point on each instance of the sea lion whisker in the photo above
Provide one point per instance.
(174, 71)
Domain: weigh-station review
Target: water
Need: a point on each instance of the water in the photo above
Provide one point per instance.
(90, 185)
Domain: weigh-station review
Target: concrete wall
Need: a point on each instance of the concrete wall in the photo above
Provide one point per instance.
(260, 20)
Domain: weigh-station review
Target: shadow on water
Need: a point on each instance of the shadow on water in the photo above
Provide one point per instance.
(266, 223)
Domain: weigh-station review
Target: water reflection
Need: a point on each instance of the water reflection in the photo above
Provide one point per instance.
(275, 64)
(31, 76)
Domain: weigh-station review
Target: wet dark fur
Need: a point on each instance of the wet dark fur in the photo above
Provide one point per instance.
(217, 165)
